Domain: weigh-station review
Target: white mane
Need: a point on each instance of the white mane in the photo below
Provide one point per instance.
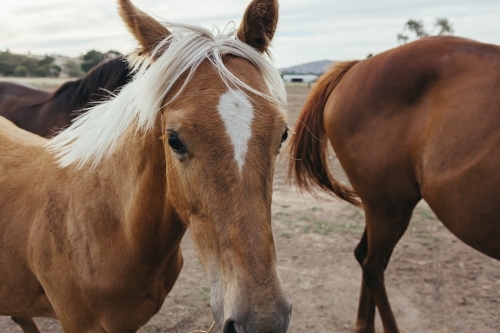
(94, 134)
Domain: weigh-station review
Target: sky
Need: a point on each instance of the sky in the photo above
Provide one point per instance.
(308, 30)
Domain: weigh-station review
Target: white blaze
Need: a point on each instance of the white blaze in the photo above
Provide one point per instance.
(237, 113)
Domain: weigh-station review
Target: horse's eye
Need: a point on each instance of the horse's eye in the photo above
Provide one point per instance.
(176, 144)
(283, 138)
(285, 135)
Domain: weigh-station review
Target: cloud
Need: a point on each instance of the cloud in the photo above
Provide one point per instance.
(308, 30)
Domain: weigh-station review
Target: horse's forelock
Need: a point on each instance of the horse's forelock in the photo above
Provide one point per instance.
(95, 134)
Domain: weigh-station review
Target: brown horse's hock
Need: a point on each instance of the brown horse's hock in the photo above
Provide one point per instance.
(92, 237)
(45, 114)
(421, 121)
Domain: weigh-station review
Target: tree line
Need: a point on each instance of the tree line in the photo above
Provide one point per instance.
(29, 66)
(19, 65)
(414, 29)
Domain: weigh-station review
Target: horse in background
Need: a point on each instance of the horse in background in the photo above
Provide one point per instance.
(421, 121)
(45, 113)
(91, 221)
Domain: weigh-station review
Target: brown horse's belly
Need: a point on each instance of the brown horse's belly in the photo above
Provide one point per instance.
(465, 195)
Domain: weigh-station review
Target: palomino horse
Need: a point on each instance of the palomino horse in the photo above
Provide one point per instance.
(92, 237)
(418, 121)
(45, 113)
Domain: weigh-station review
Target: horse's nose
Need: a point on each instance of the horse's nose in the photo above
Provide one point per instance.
(277, 322)
(230, 327)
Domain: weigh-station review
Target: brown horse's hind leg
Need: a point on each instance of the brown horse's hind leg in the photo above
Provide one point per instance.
(384, 228)
(27, 324)
(365, 322)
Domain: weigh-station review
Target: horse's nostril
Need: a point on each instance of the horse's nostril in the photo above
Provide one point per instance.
(230, 327)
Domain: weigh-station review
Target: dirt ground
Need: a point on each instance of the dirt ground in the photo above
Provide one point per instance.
(435, 282)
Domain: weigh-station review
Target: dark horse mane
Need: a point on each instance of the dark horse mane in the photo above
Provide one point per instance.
(45, 113)
(96, 85)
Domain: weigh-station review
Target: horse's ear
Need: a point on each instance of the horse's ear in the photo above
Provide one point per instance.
(259, 24)
(146, 30)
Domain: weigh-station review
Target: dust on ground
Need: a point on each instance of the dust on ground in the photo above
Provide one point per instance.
(435, 283)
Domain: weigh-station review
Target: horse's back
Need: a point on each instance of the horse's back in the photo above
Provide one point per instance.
(14, 94)
(10, 89)
(415, 80)
(19, 103)
(423, 120)
(23, 159)
(12, 136)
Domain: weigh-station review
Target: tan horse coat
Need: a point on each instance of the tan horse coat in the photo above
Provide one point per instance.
(76, 235)
(98, 247)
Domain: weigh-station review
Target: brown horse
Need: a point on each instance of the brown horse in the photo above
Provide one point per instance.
(418, 121)
(92, 237)
(45, 113)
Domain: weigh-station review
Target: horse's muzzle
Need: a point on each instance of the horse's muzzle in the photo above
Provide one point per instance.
(254, 322)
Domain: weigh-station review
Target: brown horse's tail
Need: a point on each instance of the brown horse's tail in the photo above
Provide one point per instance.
(309, 146)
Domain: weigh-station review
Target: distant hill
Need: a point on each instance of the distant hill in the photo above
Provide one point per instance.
(316, 67)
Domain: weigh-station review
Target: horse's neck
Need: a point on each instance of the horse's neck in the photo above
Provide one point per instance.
(136, 176)
(96, 85)
(76, 95)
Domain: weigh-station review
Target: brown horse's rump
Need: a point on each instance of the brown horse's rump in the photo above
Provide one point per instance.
(418, 121)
